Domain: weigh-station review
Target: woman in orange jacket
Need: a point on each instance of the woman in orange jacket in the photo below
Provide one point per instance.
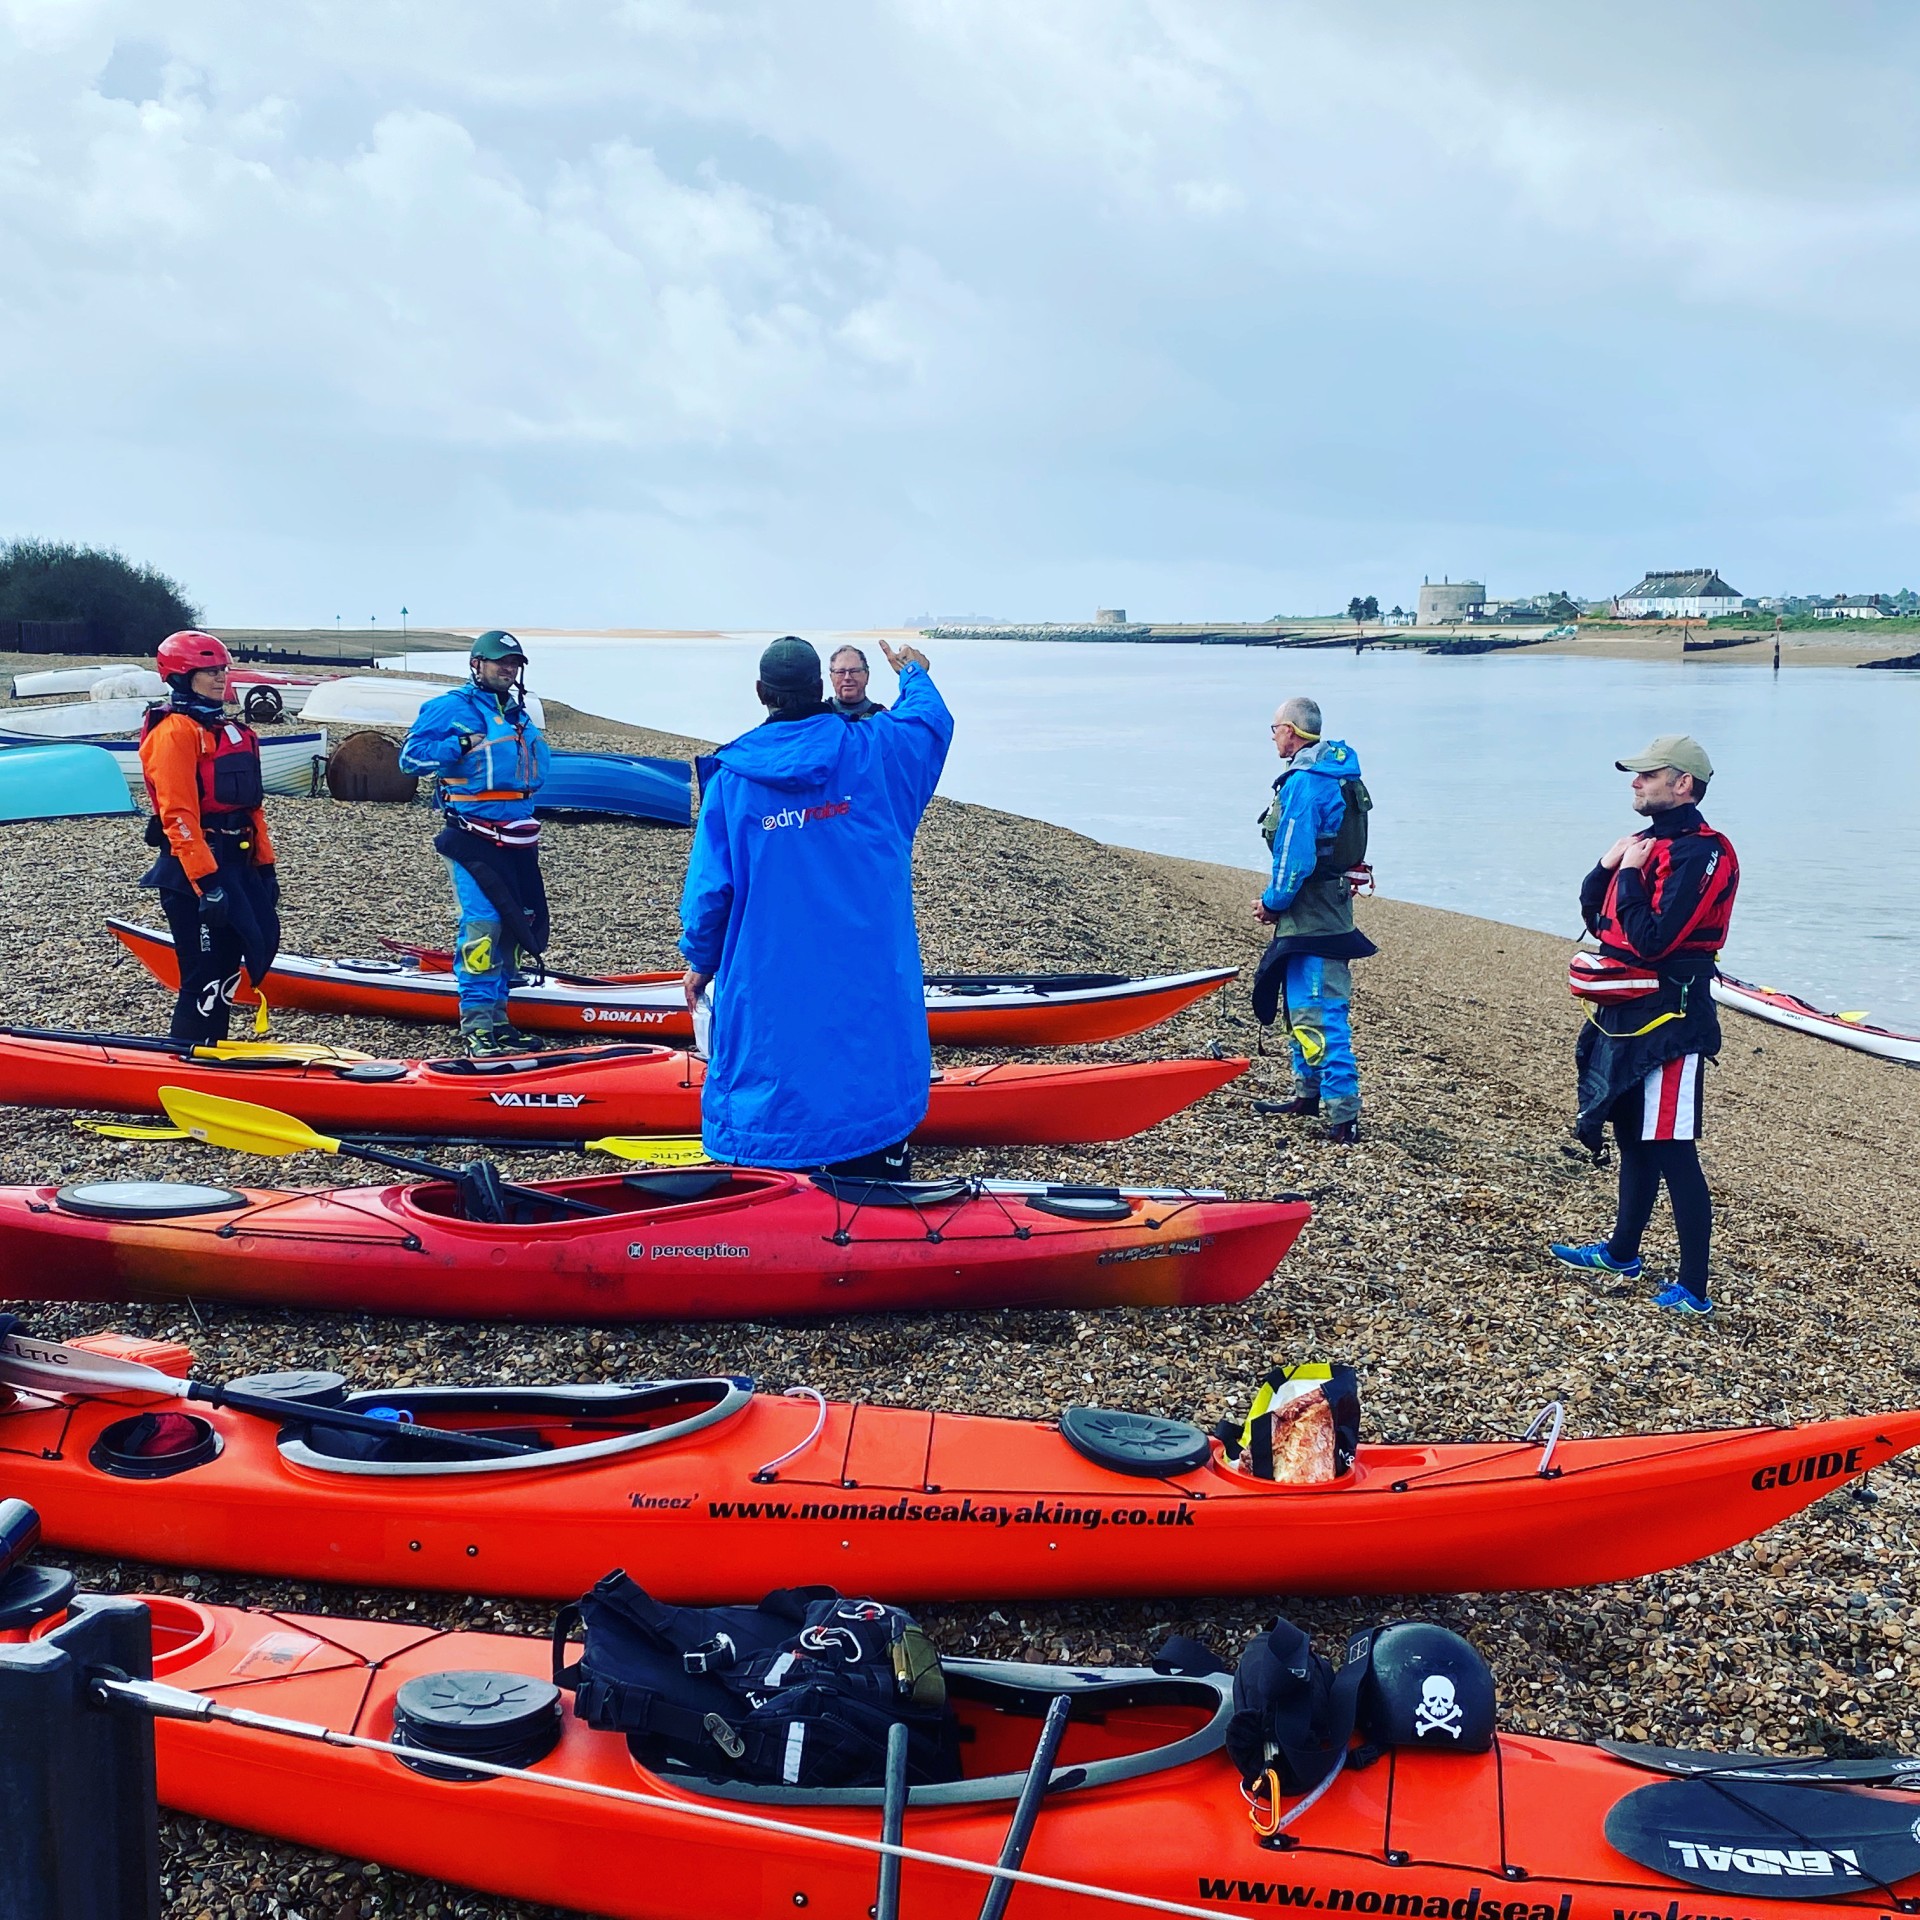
(215, 874)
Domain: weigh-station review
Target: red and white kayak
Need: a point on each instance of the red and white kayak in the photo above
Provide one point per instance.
(569, 1096)
(1843, 1029)
(982, 1010)
(714, 1243)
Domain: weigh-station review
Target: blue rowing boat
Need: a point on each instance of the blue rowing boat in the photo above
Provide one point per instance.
(632, 784)
(60, 782)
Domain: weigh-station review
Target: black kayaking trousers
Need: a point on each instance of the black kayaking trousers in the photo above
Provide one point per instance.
(1643, 1165)
(211, 957)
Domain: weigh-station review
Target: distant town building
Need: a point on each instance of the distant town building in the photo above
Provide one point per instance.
(1109, 616)
(1855, 606)
(1446, 603)
(1695, 593)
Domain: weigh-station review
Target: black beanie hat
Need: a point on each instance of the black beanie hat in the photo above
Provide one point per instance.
(790, 665)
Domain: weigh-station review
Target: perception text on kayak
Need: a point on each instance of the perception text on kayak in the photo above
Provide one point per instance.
(799, 816)
(989, 1513)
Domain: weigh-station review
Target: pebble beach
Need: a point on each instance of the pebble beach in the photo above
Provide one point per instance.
(1424, 1267)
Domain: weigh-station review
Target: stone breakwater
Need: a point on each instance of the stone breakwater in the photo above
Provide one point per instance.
(1423, 1267)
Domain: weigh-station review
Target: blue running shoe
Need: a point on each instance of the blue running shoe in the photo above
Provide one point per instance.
(1676, 1299)
(1594, 1259)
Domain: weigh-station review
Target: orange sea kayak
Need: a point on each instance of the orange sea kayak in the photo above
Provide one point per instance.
(695, 1244)
(705, 1490)
(979, 1010)
(619, 1089)
(1143, 1801)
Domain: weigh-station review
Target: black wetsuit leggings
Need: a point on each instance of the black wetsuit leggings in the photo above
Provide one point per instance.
(1643, 1165)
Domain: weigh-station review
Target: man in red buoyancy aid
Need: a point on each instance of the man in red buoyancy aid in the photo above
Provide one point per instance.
(1661, 898)
(215, 874)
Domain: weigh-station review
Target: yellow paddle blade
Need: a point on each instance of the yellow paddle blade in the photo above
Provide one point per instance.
(240, 1126)
(295, 1053)
(652, 1153)
(1856, 1017)
(126, 1130)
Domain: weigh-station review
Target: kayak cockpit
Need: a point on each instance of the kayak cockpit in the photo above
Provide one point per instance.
(562, 1426)
(1123, 1724)
(656, 1191)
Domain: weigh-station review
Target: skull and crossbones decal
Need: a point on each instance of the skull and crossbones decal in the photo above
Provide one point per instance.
(1438, 1711)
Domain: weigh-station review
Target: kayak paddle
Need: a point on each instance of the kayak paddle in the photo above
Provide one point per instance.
(46, 1366)
(669, 1150)
(242, 1127)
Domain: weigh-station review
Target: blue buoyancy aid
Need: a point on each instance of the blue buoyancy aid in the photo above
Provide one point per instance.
(497, 776)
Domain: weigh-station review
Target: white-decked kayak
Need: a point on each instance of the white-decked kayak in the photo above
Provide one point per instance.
(381, 700)
(1843, 1029)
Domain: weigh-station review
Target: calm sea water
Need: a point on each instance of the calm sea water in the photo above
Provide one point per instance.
(1492, 777)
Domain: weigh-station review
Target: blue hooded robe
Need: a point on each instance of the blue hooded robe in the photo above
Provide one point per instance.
(799, 903)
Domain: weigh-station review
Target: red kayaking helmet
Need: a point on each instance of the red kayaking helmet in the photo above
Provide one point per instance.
(191, 652)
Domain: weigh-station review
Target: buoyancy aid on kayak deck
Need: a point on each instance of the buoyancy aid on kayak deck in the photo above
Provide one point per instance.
(203, 782)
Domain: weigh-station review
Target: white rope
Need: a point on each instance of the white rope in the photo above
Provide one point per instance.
(176, 1703)
(819, 1400)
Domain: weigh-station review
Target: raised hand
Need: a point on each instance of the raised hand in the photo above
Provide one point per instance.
(908, 656)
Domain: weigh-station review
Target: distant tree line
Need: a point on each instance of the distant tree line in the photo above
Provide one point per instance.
(130, 607)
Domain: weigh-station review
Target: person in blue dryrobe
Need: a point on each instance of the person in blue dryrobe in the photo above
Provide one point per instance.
(1316, 828)
(488, 759)
(798, 909)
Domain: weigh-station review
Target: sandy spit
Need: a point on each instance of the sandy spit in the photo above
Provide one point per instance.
(1423, 1266)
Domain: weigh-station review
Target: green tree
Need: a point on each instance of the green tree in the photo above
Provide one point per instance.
(135, 607)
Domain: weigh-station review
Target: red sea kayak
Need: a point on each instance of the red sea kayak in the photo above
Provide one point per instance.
(706, 1244)
(702, 1489)
(980, 1010)
(615, 1089)
(1144, 1802)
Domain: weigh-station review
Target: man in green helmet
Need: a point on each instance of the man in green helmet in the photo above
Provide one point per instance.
(488, 759)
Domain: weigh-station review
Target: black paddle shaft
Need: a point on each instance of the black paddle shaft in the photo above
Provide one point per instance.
(405, 1163)
(294, 1411)
(1013, 1849)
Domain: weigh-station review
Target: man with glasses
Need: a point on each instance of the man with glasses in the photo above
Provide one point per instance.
(1316, 828)
(847, 670)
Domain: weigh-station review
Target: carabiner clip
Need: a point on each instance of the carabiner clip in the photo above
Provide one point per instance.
(1265, 1817)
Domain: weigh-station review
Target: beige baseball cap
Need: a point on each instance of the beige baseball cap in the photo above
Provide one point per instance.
(1680, 751)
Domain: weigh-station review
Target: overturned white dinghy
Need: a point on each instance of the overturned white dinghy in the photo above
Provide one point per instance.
(290, 763)
(381, 700)
(84, 720)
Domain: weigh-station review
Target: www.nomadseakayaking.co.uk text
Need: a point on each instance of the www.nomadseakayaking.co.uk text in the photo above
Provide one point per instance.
(987, 1513)
(1412, 1905)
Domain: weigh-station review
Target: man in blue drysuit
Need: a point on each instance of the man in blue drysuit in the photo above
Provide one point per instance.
(488, 760)
(798, 908)
(1317, 830)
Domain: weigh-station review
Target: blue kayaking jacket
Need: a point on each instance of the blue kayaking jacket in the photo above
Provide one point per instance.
(496, 778)
(1308, 814)
(799, 903)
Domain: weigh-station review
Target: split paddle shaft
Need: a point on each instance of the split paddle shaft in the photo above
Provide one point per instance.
(242, 1127)
(667, 1150)
(48, 1367)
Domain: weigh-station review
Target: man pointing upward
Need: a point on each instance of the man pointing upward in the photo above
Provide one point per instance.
(799, 898)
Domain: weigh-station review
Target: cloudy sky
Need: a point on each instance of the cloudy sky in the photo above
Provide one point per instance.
(748, 312)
